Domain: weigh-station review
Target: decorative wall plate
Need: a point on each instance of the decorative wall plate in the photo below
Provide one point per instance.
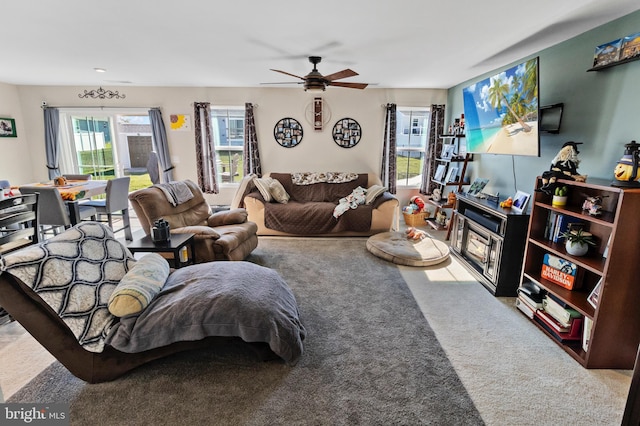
(347, 132)
(288, 132)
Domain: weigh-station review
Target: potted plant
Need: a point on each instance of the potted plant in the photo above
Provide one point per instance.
(577, 241)
(560, 196)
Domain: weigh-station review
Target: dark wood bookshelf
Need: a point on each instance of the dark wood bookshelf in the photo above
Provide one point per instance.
(615, 332)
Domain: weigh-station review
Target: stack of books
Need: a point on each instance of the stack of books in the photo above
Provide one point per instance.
(561, 321)
(530, 299)
(557, 224)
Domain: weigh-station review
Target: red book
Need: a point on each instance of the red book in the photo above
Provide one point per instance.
(574, 332)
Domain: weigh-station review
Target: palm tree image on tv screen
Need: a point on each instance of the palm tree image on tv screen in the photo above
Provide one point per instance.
(501, 112)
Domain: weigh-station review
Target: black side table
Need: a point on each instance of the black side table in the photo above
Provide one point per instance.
(175, 244)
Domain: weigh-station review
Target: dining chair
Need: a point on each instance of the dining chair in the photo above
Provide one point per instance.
(116, 203)
(78, 177)
(53, 212)
(18, 222)
(18, 228)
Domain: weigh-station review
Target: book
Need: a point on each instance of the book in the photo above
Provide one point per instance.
(552, 322)
(564, 315)
(574, 334)
(529, 301)
(532, 290)
(560, 271)
(525, 308)
(564, 224)
(548, 230)
(586, 333)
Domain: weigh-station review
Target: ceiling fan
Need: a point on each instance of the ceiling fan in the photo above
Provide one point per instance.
(316, 82)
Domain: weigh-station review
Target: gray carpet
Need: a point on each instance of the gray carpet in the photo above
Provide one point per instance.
(370, 358)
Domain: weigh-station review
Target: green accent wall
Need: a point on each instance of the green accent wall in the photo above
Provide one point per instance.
(601, 109)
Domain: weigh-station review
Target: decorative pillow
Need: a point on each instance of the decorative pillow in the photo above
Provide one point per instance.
(263, 186)
(75, 273)
(139, 286)
(374, 192)
(278, 192)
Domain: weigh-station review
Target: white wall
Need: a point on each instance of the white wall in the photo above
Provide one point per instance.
(15, 164)
(316, 152)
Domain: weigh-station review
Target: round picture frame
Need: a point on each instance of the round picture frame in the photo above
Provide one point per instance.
(346, 132)
(288, 132)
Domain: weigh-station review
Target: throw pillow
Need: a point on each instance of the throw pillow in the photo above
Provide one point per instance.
(374, 192)
(139, 286)
(263, 186)
(278, 192)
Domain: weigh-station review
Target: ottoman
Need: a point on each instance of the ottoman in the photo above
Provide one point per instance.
(397, 248)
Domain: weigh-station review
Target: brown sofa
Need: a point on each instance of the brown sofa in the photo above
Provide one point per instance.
(225, 235)
(309, 209)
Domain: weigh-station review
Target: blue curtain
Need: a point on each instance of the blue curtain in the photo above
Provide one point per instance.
(161, 145)
(51, 140)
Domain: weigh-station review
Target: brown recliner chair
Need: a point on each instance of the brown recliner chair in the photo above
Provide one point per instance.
(224, 235)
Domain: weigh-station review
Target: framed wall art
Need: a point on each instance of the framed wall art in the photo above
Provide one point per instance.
(8, 128)
(347, 132)
(288, 132)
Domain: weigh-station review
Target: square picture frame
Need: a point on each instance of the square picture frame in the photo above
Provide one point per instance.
(520, 201)
(447, 152)
(452, 175)
(439, 175)
(477, 186)
(8, 128)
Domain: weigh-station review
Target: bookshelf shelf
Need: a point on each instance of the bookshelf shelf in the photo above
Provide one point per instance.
(450, 151)
(614, 261)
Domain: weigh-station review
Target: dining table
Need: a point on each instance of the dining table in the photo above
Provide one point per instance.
(73, 191)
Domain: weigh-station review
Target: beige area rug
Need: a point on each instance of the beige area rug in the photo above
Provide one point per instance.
(512, 371)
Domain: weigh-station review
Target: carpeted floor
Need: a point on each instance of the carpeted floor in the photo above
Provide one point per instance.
(370, 358)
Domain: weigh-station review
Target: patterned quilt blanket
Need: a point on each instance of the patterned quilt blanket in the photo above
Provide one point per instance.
(75, 273)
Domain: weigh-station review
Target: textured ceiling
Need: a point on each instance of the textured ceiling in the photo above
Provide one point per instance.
(401, 44)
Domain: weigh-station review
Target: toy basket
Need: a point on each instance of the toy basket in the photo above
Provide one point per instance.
(416, 219)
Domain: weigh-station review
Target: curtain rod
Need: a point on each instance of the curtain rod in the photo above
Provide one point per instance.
(44, 105)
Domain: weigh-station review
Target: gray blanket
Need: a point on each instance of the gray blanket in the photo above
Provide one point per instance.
(238, 299)
(177, 192)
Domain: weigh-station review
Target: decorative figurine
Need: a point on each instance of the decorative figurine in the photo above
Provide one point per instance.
(564, 166)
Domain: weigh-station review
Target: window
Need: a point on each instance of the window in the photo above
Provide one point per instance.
(106, 145)
(228, 136)
(411, 140)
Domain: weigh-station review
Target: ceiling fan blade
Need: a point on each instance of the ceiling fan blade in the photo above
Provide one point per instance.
(286, 82)
(292, 75)
(340, 74)
(348, 85)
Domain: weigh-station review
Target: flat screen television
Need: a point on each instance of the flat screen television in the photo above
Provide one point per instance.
(501, 112)
(550, 118)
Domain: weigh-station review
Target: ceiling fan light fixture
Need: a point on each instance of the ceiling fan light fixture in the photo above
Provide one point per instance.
(314, 86)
